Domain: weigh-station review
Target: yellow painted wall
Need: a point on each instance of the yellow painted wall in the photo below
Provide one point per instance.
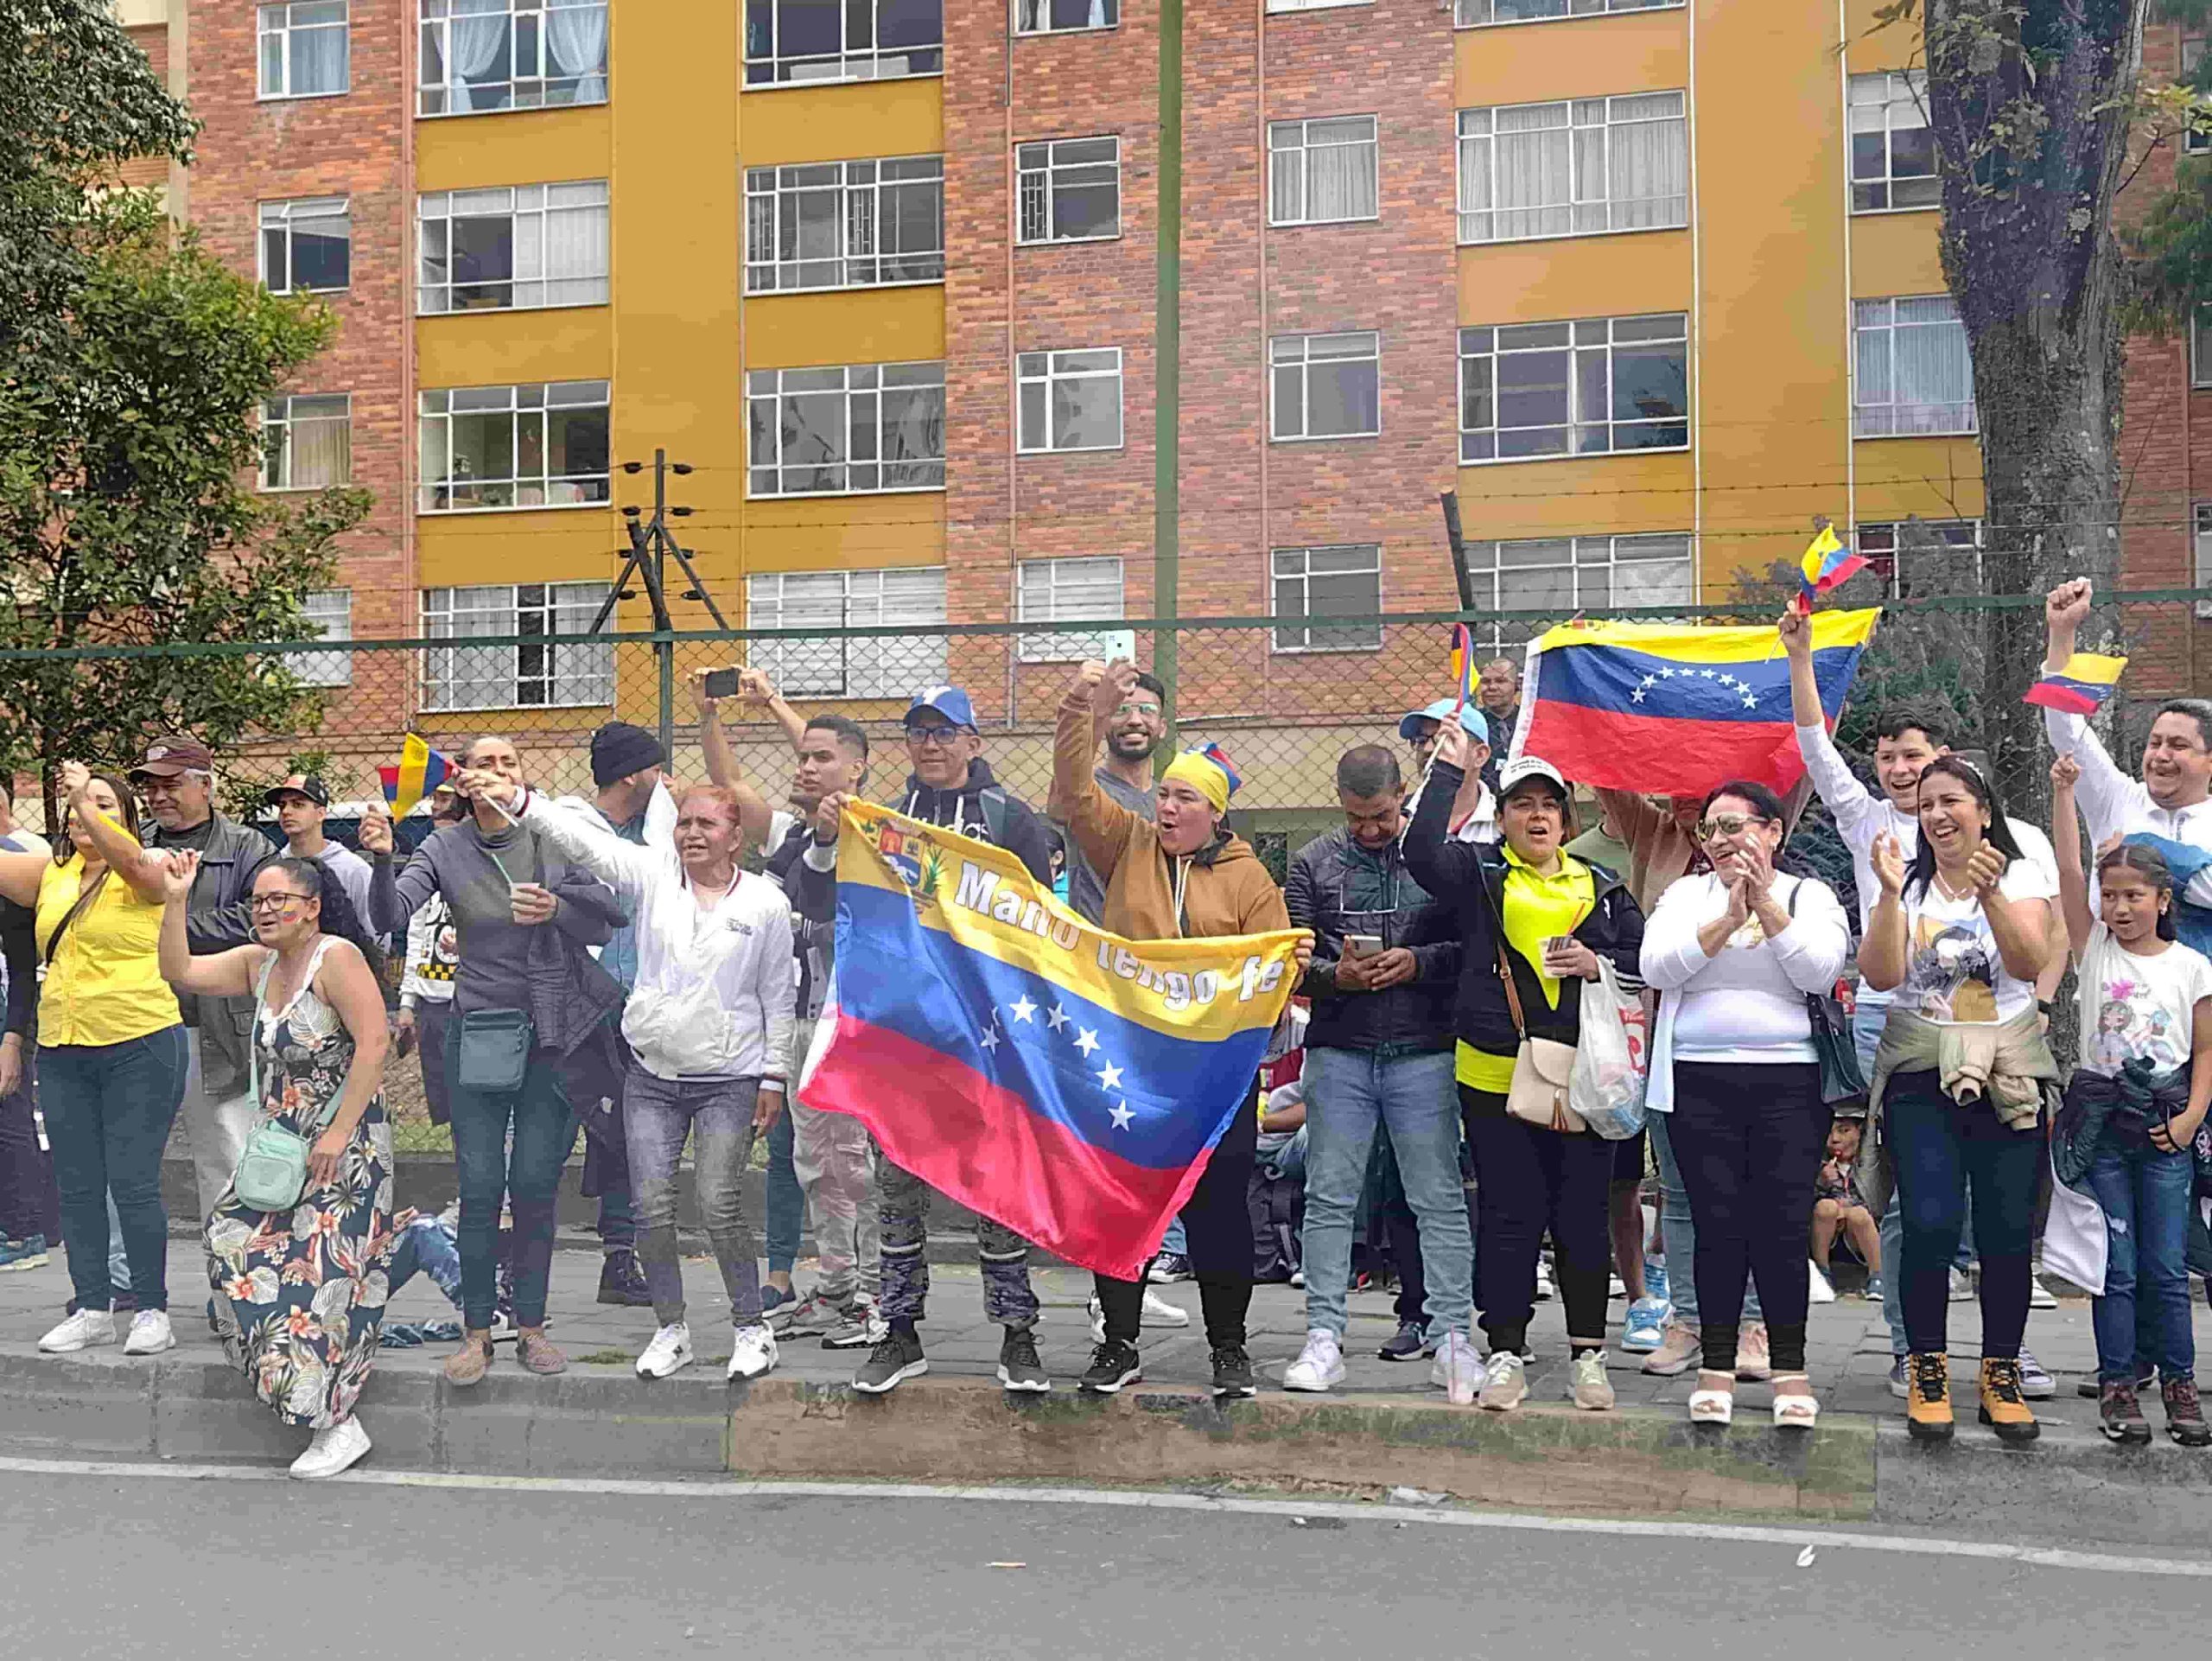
(836, 123)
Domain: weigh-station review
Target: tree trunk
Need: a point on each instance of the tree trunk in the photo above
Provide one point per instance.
(2030, 101)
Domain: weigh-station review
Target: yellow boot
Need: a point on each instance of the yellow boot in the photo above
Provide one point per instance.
(2003, 1407)
(1928, 1400)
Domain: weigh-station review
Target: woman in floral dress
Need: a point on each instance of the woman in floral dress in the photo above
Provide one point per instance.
(307, 1285)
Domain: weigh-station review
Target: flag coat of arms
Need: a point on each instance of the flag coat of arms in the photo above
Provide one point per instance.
(421, 770)
(1064, 1081)
(1675, 710)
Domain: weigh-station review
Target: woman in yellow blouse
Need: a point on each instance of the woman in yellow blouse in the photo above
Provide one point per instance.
(110, 1051)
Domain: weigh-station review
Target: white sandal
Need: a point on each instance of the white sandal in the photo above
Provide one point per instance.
(1713, 1406)
(1794, 1412)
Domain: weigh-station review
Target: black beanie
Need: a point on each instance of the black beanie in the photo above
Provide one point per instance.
(618, 749)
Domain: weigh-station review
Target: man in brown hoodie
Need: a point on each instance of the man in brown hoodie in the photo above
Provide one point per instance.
(1183, 877)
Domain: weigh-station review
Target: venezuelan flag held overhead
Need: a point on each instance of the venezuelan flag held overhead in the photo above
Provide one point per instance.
(1828, 564)
(1063, 1080)
(1677, 710)
(2086, 681)
(421, 770)
(1465, 676)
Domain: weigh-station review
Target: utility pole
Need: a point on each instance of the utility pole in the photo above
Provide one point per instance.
(1168, 360)
(651, 545)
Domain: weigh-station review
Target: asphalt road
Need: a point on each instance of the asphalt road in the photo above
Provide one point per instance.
(118, 1566)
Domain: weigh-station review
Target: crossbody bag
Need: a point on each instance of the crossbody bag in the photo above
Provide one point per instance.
(272, 1172)
(1542, 1068)
(1842, 1082)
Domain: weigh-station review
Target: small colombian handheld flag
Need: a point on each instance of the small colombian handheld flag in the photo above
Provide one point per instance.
(2086, 682)
(1464, 676)
(421, 770)
(1827, 564)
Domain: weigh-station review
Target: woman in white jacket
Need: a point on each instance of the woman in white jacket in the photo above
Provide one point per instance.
(709, 1028)
(1734, 952)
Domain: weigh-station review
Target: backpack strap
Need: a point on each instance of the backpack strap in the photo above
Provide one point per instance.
(993, 801)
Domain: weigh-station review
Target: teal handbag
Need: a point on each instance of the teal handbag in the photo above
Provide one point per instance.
(272, 1172)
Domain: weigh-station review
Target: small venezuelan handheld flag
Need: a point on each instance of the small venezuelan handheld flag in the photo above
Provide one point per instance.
(421, 770)
(1464, 676)
(2086, 682)
(1067, 1082)
(1827, 564)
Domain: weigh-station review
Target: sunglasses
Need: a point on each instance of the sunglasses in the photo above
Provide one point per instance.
(1728, 824)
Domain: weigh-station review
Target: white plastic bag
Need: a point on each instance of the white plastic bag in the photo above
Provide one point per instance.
(2076, 1238)
(1606, 1084)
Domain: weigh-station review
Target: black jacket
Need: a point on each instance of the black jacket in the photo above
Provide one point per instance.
(1333, 875)
(1452, 871)
(986, 810)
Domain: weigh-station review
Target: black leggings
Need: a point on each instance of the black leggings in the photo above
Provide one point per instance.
(1748, 1137)
(1218, 1226)
(1527, 1178)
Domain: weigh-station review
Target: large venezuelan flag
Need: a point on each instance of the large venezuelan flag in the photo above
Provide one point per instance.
(1676, 710)
(1067, 1082)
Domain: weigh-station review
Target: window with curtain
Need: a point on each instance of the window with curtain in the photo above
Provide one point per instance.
(502, 447)
(517, 248)
(1585, 168)
(831, 664)
(1070, 400)
(1923, 556)
(1915, 371)
(793, 41)
(853, 429)
(525, 673)
(303, 49)
(844, 224)
(1558, 576)
(479, 56)
(1064, 17)
(1322, 172)
(325, 614)
(2200, 347)
(1321, 582)
(306, 245)
(1892, 152)
(1478, 14)
(1068, 190)
(307, 444)
(1325, 385)
(1086, 590)
(1528, 390)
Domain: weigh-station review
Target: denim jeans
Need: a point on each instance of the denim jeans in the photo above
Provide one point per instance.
(1349, 1095)
(31, 1205)
(425, 1246)
(528, 1173)
(1866, 1034)
(109, 1108)
(1943, 1152)
(1175, 1243)
(1681, 1233)
(2146, 1197)
(717, 1114)
(786, 1201)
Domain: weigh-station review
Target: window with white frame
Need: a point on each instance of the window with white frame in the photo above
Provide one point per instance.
(527, 673)
(1923, 556)
(306, 245)
(1068, 190)
(844, 224)
(1323, 171)
(1064, 17)
(307, 444)
(499, 447)
(1915, 371)
(325, 614)
(1573, 169)
(1070, 400)
(1478, 14)
(2203, 554)
(1583, 388)
(1325, 385)
(482, 55)
(851, 429)
(304, 50)
(1557, 577)
(796, 40)
(2200, 347)
(833, 664)
(1316, 583)
(1087, 590)
(1892, 151)
(513, 248)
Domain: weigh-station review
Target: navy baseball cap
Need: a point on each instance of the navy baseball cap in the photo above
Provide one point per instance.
(947, 701)
(1469, 717)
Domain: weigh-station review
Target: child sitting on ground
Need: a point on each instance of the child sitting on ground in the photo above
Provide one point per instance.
(1838, 1208)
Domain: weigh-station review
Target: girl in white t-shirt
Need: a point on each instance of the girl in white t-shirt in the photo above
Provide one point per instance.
(1959, 935)
(2145, 999)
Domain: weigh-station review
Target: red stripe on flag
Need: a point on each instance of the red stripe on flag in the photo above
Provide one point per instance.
(2055, 695)
(1662, 754)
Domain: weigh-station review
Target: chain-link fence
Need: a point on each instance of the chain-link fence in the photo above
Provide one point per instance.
(1285, 696)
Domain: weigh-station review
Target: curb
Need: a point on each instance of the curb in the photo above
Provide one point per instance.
(2069, 1483)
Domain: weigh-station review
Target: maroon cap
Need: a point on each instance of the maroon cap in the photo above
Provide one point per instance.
(167, 757)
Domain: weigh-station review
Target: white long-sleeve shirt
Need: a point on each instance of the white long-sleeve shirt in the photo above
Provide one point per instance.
(1746, 1003)
(2115, 804)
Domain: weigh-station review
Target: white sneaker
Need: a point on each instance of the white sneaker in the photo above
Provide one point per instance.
(2039, 1296)
(1158, 1312)
(1817, 1288)
(753, 1352)
(1320, 1365)
(149, 1333)
(1505, 1382)
(670, 1350)
(1543, 1281)
(1457, 1370)
(1962, 1287)
(79, 1332)
(1616, 1288)
(1587, 1385)
(332, 1451)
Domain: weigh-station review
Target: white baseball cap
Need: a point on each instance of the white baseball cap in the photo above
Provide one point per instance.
(1523, 768)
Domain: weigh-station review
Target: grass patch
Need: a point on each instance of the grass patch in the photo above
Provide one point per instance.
(605, 1358)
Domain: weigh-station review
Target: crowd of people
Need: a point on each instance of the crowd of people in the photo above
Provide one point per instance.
(647, 967)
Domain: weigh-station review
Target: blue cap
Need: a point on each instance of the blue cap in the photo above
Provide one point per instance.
(947, 701)
(1440, 711)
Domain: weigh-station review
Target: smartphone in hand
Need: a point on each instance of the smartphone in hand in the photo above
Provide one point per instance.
(722, 683)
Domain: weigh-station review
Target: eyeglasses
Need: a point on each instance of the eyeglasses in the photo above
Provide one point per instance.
(276, 902)
(923, 738)
(1728, 824)
(1136, 709)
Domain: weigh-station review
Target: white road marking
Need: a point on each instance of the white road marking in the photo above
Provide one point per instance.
(711, 1488)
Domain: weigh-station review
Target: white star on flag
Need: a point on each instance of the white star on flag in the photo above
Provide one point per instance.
(1088, 1042)
(1750, 703)
(1056, 1017)
(1021, 1009)
(1120, 1115)
(1110, 1079)
(990, 1040)
(1637, 696)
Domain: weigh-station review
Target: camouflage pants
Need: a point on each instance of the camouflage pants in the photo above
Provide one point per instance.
(903, 1207)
